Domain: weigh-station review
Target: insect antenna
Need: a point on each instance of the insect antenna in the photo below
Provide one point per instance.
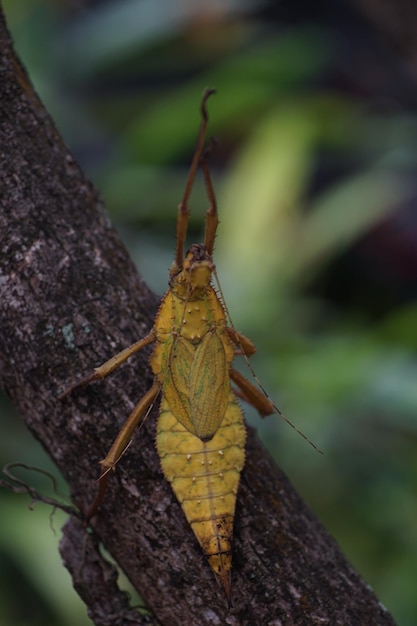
(252, 371)
(183, 210)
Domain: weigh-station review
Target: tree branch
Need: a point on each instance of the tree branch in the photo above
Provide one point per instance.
(95, 580)
(69, 298)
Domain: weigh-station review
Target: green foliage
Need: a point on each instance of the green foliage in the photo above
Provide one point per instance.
(124, 83)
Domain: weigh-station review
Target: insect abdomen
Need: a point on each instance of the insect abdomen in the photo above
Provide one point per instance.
(205, 479)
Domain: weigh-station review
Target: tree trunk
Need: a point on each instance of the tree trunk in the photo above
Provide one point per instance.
(70, 298)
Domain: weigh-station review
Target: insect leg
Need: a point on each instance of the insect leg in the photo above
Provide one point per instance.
(251, 394)
(183, 210)
(244, 345)
(121, 443)
(212, 218)
(109, 366)
(258, 399)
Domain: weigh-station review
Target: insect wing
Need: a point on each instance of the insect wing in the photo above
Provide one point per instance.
(197, 386)
(209, 386)
(177, 382)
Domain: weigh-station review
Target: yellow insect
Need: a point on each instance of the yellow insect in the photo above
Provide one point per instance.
(200, 431)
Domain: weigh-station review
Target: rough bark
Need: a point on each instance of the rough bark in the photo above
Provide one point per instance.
(69, 298)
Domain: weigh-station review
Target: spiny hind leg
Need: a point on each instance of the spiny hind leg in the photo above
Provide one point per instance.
(121, 443)
(109, 366)
(247, 391)
(243, 345)
(251, 394)
(258, 399)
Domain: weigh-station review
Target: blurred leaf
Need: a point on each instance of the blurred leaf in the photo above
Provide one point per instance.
(114, 28)
(26, 537)
(258, 75)
(261, 195)
(345, 213)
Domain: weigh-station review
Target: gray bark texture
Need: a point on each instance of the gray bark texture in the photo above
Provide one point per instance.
(70, 297)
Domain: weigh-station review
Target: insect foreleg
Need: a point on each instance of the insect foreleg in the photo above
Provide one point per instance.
(212, 218)
(121, 442)
(252, 395)
(183, 210)
(109, 366)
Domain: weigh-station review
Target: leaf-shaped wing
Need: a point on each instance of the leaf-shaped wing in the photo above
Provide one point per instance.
(197, 385)
(209, 386)
(176, 386)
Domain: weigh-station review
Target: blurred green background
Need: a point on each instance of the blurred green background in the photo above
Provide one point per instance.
(315, 174)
